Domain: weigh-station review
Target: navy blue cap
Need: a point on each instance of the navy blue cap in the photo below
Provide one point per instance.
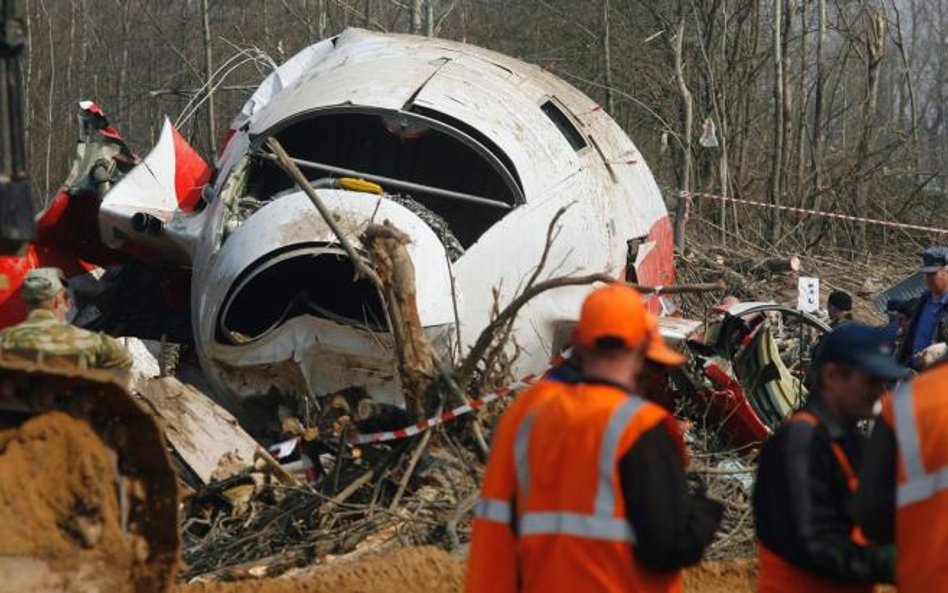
(864, 347)
(934, 259)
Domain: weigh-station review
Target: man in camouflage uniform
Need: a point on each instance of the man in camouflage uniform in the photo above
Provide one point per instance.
(45, 338)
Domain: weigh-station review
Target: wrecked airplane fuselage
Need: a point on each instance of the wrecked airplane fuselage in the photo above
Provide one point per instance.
(475, 153)
(272, 286)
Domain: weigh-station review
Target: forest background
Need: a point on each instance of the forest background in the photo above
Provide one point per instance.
(832, 105)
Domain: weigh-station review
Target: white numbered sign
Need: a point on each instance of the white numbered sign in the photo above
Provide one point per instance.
(808, 294)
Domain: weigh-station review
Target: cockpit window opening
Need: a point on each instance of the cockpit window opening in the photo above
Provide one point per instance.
(405, 146)
(564, 124)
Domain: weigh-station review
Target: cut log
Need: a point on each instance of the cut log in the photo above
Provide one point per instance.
(777, 265)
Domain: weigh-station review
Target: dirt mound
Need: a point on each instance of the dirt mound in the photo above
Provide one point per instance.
(60, 510)
(725, 576)
(409, 569)
(432, 570)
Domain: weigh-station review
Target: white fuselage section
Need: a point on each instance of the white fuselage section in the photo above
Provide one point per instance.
(549, 146)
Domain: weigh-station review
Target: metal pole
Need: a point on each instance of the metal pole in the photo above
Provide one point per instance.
(396, 183)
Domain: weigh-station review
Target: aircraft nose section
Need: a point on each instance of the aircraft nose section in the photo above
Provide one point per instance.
(284, 261)
(304, 279)
(282, 291)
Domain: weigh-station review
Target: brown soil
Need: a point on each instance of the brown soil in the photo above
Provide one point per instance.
(729, 576)
(408, 569)
(434, 571)
(59, 510)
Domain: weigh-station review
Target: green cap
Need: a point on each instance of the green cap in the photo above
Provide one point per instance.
(42, 284)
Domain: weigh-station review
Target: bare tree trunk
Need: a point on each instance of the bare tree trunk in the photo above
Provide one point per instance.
(607, 60)
(322, 18)
(29, 72)
(909, 87)
(429, 18)
(875, 50)
(124, 5)
(750, 96)
(717, 95)
(776, 158)
(84, 51)
(801, 127)
(785, 37)
(70, 52)
(416, 9)
(686, 103)
(819, 133)
(50, 101)
(208, 73)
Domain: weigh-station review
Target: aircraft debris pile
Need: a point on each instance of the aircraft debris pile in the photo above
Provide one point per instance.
(747, 361)
(343, 498)
(380, 498)
(726, 475)
(322, 494)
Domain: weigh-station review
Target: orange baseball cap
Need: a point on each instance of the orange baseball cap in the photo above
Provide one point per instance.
(658, 350)
(613, 311)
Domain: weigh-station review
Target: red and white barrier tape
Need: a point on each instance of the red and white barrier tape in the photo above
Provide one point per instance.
(423, 425)
(889, 223)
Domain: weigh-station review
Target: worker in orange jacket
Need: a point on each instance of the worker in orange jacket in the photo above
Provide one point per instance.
(585, 487)
(653, 381)
(903, 491)
(808, 539)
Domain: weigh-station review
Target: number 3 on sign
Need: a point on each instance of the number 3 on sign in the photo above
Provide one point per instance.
(808, 294)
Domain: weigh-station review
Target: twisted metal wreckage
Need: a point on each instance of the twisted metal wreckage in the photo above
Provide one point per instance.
(468, 153)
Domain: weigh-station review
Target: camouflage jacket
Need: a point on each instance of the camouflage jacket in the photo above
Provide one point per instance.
(42, 339)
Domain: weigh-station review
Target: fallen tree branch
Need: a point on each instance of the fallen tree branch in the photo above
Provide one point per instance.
(387, 247)
(286, 163)
(486, 338)
(274, 467)
(551, 233)
(415, 456)
(479, 437)
(680, 288)
(353, 487)
(451, 526)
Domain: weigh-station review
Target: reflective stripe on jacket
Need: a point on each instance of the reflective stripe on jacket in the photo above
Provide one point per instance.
(573, 531)
(492, 563)
(918, 414)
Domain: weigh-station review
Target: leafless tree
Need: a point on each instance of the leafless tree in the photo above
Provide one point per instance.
(826, 104)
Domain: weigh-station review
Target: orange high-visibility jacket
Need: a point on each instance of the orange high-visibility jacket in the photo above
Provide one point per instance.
(492, 563)
(917, 412)
(572, 528)
(779, 576)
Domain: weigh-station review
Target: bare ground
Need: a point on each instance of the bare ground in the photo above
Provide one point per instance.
(433, 570)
